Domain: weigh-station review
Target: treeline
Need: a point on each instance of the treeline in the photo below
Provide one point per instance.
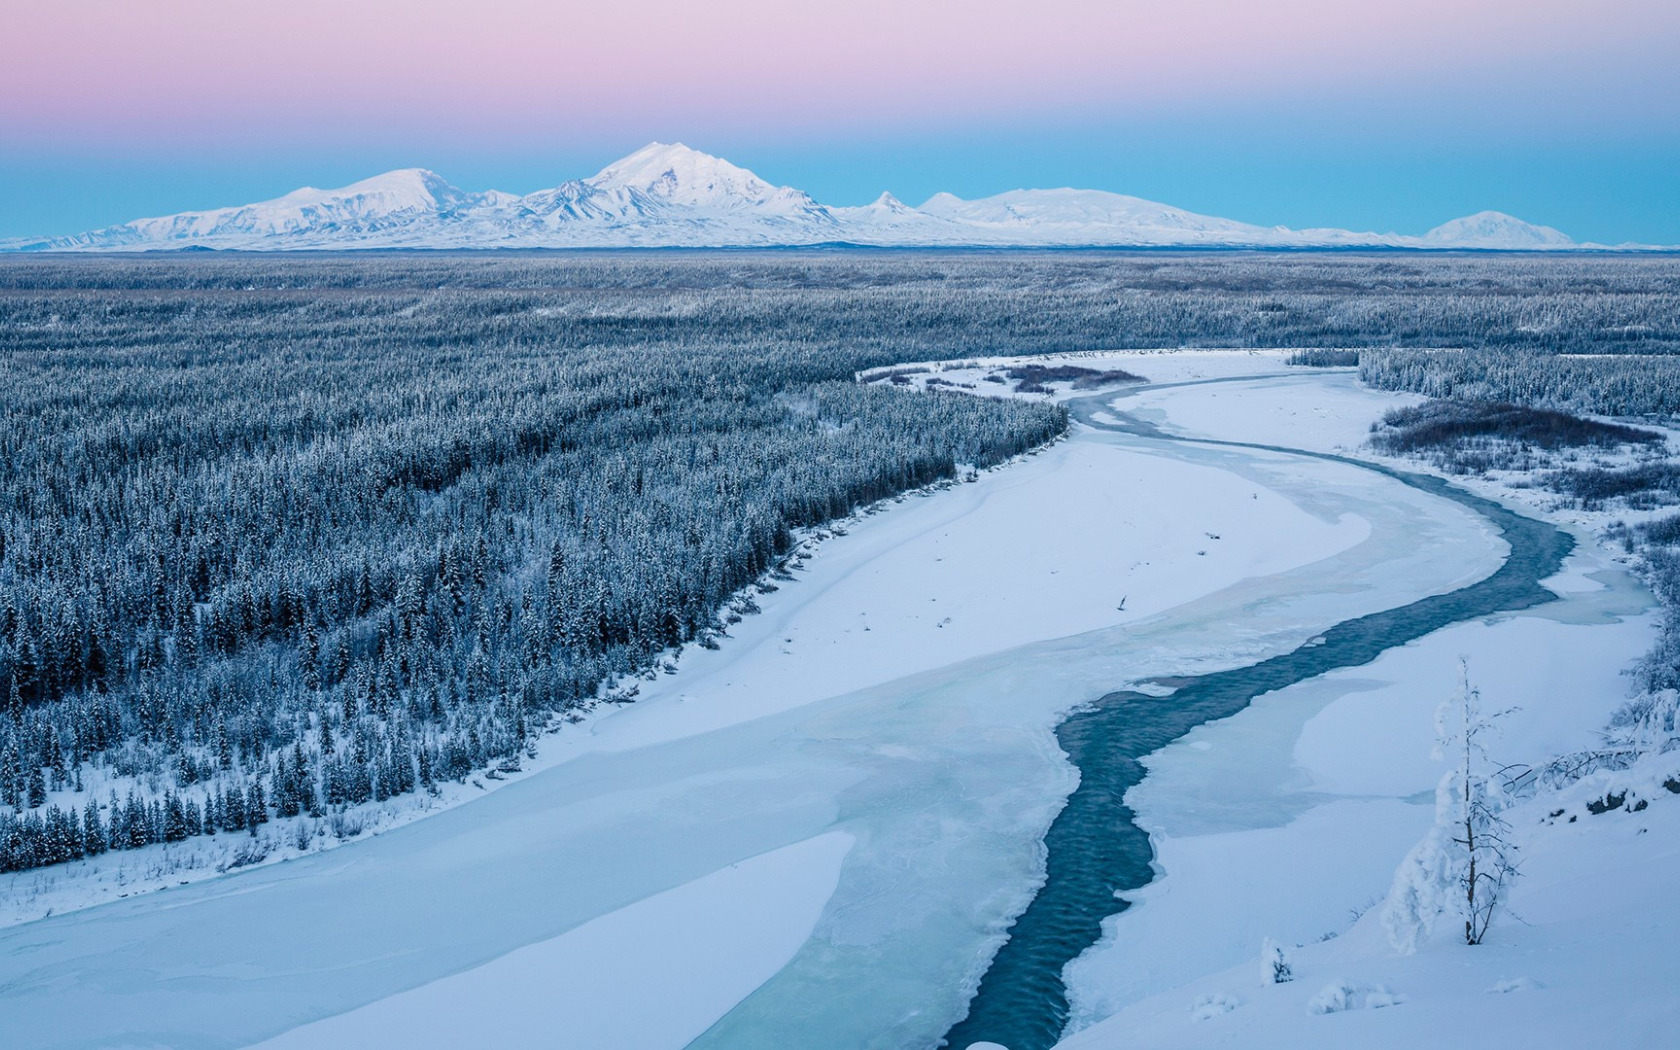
(1464, 437)
(1031, 379)
(1323, 357)
(892, 307)
(1611, 385)
(1439, 423)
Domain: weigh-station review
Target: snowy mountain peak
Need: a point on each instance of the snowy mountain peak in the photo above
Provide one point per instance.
(1070, 216)
(400, 200)
(405, 189)
(1495, 229)
(675, 174)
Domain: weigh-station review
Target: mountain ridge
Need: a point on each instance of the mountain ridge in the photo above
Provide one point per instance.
(669, 195)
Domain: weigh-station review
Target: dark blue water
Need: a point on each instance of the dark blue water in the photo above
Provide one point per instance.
(1095, 847)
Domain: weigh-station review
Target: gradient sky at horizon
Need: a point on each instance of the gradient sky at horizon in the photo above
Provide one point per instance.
(1382, 115)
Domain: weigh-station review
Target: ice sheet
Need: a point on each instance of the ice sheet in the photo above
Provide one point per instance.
(703, 945)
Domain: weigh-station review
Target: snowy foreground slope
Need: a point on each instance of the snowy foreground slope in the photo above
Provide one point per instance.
(1287, 821)
(815, 835)
(672, 196)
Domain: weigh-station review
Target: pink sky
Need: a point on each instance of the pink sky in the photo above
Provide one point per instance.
(168, 71)
(1380, 114)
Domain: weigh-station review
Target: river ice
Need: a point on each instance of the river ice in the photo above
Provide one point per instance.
(900, 696)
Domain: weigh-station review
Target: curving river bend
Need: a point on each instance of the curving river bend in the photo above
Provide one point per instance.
(1096, 850)
(950, 782)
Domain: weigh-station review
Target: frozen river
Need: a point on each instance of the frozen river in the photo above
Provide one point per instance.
(816, 837)
(1097, 851)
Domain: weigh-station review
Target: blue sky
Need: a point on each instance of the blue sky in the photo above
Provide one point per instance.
(1388, 115)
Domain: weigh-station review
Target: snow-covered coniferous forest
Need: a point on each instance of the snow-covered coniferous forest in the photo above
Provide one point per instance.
(283, 552)
(296, 549)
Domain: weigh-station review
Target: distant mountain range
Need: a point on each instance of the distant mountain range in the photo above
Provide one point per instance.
(672, 196)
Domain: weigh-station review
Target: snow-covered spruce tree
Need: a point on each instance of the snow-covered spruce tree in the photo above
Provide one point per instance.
(1274, 964)
(1464, 866)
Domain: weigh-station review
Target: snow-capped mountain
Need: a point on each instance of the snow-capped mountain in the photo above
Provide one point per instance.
(889, 221)
(670, 194)
(1091, 216)
(673, 196)
(1496, 230)
(382, 207)
(678, 177)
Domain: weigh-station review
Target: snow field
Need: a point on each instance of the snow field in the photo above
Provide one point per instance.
(1586, 967)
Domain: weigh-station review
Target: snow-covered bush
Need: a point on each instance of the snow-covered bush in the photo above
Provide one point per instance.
(1333, 998)
(1274, 964)
(1652, 777)
(1649, 722)
(1639, 758)
(1340, 995)
(1214, 1004)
